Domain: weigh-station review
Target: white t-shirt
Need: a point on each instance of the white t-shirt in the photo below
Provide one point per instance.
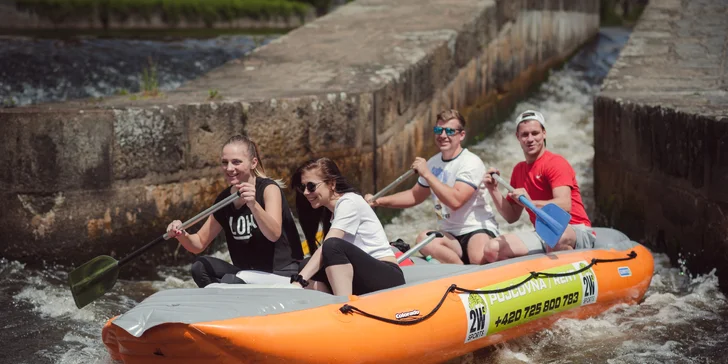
(477, 212)
(354, 216)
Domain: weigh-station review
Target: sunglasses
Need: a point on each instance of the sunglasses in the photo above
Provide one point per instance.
(310, 186)
(449, 131)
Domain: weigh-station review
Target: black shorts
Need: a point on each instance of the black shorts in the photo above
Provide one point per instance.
(464, 239)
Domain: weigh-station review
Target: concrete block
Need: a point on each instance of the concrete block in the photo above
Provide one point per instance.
(661, 135)
(54, 151)
(148, 141)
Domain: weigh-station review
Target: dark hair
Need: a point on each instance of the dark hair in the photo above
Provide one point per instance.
(308, 217)
(447, 115)
(252, 148)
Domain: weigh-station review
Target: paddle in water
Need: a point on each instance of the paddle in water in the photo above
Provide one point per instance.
(93, 279)
(551, 220)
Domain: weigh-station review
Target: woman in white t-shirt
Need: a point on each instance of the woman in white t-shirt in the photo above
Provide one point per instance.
(355, 256)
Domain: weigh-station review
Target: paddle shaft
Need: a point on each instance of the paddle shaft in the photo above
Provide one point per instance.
(548, 220)
(210, 210)
(420, 245)
(394, 184)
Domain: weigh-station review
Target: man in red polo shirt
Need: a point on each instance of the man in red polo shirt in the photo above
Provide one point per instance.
(544, 178)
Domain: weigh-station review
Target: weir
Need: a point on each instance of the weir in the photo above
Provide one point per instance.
(360, 85)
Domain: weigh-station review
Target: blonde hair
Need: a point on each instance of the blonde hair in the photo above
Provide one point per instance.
(252, 148)
(446, 115)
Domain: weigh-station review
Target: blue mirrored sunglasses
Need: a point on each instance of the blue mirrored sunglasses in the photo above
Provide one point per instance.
(449, 131)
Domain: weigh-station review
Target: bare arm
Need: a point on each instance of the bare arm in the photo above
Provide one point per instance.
(453, 197)
(562, 198)
(510, 211)
(270, 219)
(314, 264)
(198, 242)
(414, 196)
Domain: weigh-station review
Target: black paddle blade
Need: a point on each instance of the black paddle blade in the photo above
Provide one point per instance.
(91, 280)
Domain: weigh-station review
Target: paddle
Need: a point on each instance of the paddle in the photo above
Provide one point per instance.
(551, 220)
(91, 280)
(392, 185)
(420, 245)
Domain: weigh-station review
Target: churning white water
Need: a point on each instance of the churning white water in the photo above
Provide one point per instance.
(683, 318)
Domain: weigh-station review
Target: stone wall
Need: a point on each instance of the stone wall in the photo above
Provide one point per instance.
(661, 135)
(360, 85)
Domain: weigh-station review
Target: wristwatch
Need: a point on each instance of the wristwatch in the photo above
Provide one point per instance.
(299, 278)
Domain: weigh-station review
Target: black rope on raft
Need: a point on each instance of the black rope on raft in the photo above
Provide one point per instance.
(349, 309)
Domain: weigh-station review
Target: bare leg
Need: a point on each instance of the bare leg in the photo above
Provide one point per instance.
(341, 277)
(318, 286)
(446, 249)
(476, 248)
(504, 247)
(566, 242)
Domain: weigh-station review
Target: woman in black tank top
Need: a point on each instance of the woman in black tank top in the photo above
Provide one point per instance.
(259, 228)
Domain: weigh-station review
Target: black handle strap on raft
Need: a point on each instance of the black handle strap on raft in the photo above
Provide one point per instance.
(349, 309)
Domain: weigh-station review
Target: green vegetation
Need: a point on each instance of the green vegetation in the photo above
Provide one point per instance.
(171, 11)
(136, 33)
(212, 94)
(620, 12)
(258, 40)
(149, 80)
(9, 102)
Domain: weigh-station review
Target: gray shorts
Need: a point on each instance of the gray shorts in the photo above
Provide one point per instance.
(585, 239)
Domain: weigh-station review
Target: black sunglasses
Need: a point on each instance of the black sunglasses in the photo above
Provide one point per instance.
(310, 186)
(449, 131)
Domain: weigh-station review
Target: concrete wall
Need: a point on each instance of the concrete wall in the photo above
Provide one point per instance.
(661, 134)
(361, 85)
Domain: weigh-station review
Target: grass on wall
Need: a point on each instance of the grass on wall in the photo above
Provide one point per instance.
(172, 11)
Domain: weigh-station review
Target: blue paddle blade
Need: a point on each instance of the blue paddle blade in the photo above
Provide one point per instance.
(551, 221)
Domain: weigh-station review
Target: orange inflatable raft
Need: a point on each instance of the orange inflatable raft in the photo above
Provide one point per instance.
(444, 311)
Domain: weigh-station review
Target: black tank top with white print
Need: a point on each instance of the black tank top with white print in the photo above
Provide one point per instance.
(249, 248)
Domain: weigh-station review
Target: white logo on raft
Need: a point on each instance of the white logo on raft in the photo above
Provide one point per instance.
(403, 315)
(589, 284)
(530, 286)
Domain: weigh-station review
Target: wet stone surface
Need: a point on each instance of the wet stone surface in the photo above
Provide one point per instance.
(661, 133)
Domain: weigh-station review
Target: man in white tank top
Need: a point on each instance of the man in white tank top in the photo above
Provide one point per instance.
(452, 178)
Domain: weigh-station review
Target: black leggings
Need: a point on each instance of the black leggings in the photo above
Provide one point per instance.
(370, 274)
(207, 269)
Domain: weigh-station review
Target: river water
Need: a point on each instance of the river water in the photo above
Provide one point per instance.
(45, 70)
(683, 318)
